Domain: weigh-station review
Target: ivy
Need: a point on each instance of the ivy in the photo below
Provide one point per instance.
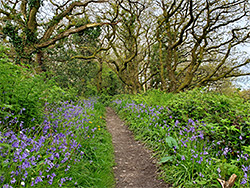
(12, 32)
(35, 3)
(31, 36)
(20, 40)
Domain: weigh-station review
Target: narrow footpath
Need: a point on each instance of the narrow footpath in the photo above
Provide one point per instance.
(135, 168)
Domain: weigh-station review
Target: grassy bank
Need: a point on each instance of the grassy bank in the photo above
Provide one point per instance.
(197, 136)
(70, 148)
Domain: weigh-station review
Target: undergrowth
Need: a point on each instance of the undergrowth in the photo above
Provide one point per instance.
(48, 136)
(70, 148)
(198, 136)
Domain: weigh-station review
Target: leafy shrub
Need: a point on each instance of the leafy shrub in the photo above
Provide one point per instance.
(20, 93)
(3, 56)
(105, 99)
(24, 94)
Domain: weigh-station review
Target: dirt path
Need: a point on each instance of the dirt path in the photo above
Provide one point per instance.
(135, 167)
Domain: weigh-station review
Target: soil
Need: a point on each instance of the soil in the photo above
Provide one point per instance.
(135, 168)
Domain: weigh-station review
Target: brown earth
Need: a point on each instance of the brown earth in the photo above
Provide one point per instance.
(135, 167)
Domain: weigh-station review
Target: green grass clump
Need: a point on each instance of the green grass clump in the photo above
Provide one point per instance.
(96, 168)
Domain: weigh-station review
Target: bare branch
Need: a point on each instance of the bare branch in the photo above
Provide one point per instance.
(55, 21)
(66, 34)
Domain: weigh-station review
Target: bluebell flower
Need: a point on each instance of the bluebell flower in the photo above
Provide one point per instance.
(13, 181)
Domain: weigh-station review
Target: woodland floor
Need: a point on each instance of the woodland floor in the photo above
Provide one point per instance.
(135, 168)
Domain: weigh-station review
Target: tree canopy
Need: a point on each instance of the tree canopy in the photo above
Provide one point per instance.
(33, 25)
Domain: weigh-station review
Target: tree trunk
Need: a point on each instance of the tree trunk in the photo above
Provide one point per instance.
(99, 77)
(39, 60)
(163, 80)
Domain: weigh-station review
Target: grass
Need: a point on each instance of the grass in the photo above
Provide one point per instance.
(98, 171)
(197, 136)
(71, 148)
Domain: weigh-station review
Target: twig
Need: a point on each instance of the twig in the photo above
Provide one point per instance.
(229, 183)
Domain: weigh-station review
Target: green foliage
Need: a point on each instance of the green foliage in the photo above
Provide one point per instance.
(32, 112)
(24, 94)
(90, 34)
(80, 75)
(3, 56)
(12, 31)
(171, 142)
(105, 99)
(54, 94)
(35, 3)
(71, 148)
(111, 85)
(166, 159)
(229, 116)
(97, 169)
(20, 93)
(198, 136)
(72, 73)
